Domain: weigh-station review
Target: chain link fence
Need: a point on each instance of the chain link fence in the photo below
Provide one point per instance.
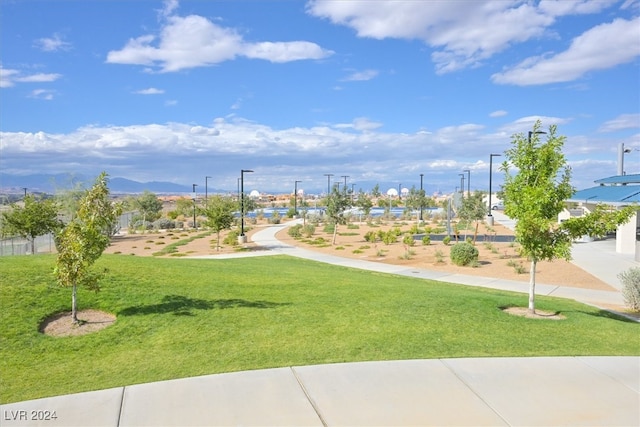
(46, 244)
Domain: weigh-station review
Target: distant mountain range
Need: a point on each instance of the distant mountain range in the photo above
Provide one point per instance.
(49, 183)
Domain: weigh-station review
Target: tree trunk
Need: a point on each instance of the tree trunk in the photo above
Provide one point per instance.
(218, 242)
(74, 305)
(475, 234)
(335, 233)
(33, 246)
(532, 287)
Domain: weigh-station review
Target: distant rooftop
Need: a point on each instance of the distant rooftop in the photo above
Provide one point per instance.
(613, 190)
(620, 179)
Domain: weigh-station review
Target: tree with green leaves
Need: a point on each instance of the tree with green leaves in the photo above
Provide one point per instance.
(536, 194)
(81, 242)
(375, 191)
(219, 214)
(473, 209)
(36, 217)
(337, 203)
(363, 201)
(148, 206)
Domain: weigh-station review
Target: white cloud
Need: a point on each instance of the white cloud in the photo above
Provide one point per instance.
(45, 94)
(359, 76)
(9, 77)
(150, 91)
(602, 47)
(52, 44)
(622, 122)
(194, 41)
(180, 152)
(463, 36)
(498, 113)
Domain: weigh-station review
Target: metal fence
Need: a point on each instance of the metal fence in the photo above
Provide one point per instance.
(45, 244)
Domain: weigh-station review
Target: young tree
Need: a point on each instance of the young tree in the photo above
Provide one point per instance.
(148, 205)
(536, 195)
(81, 242)
(337, 203)
(473, 209)
(37, 217)
(364, 202)
(219, 213)
(375, 191)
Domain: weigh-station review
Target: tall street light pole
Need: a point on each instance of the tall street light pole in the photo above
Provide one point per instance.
(461, 183)
(468, 171)
(345, 181)
(328, 175)
(295, 198)
(195, 224)
(400, 191)
(421, 196)
(206, 190)
(490, 216)
(242, 238)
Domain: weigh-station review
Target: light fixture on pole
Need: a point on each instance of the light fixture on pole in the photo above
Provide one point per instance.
(295, 198)
(328, 175)
(242, 237)
(195, 224)
(421, 196)
(538, 132)
(399, 192)
(490, 216)
(468, 182)
(206, 190)
(621, 152)
(461, 175)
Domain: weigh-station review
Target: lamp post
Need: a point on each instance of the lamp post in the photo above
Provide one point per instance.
(295, 198)
(490, 216)
(206, 190)
(421, 196)
(345, 181)
(461, 175)
(242, 238)
(399, 192)
(328, 175)
(468, 182)
(538, 132)
(621, 152)
(353, 184)
(195, 224)
(25, 191)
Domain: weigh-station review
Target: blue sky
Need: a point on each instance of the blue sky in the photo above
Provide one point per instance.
(381, 91)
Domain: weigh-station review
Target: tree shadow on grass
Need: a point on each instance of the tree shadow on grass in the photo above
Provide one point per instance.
(182, 306)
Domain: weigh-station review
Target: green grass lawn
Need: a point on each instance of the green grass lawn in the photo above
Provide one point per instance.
(180, 317)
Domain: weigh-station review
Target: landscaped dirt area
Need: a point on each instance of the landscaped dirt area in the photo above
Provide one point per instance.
(499, 260)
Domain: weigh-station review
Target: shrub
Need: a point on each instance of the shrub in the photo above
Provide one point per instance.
(371, 236)
(295, 231)
(426, 240)
(329, 227)
(389, 237)
(463, 253)
(446, 240)
(408, 240)
(231, 238)
(164, 224)
(308, 230)
(439, 257)
(631, 287)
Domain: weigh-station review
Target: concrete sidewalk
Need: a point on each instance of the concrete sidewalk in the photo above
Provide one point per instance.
(563, 391)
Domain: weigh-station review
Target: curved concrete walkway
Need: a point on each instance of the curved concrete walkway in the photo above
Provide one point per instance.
(538, 391)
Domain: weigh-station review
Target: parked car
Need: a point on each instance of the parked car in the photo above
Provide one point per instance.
(497, 206)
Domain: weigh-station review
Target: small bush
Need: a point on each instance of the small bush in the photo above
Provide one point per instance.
(371, 236)
(295, 231)
(231, 238)
(389, 237)
(408, 240)
(426, 240)
(329, 227)
(463, 253)
(446, 240)
(308, 230)
(439, 257)
(631, 287)
(164, 224)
